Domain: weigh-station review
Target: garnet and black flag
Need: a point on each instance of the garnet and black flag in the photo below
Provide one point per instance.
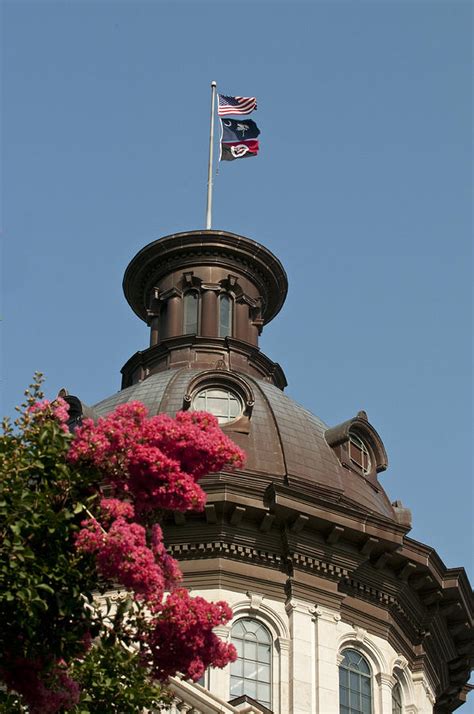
(238, 150)
(238, 139)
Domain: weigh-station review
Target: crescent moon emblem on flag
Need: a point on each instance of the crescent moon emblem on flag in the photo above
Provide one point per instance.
(229, 124)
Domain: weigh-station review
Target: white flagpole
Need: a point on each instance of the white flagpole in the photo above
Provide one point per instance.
(211, 155)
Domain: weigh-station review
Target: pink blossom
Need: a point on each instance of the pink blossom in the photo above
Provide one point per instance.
(181, 638)
(112, 508)
(57, 409)
(158, 460)
(123, 556)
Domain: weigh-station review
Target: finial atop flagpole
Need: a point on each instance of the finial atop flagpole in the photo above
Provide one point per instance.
(211, 155)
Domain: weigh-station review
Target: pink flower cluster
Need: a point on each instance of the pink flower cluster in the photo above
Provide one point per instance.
(157, 460)
(123, 556)
(58, 409)
(154, 463)
(44, 691)
(182, 640)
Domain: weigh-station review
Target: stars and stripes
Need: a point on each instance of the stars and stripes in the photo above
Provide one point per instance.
(235, 105)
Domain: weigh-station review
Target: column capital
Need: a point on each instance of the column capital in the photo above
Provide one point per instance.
(385, 680)
(282, 644)
(300, 606)
(323, 613)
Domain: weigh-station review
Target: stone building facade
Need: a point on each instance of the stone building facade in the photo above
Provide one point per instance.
(336, 610)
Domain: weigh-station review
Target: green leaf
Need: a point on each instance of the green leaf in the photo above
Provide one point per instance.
(47, 588)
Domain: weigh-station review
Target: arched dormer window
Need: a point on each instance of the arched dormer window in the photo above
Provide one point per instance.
(355, 684)
(190, 312)
(359, 453)
(251, 672)
(225, 315)
(358, 446)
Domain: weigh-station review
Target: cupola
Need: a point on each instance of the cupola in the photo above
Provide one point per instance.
(206, 296)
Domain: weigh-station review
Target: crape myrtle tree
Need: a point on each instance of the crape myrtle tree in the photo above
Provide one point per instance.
(79, 518)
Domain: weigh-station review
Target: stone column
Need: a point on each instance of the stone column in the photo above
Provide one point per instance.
(301, 664)
(209, 316)
(242, 321)
(386, 683)
(154, 330)
(174, 316)
(424, 696)
(327, 666)
(282, 677)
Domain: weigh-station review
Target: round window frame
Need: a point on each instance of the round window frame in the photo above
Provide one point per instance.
(221, 379)
(223, 389)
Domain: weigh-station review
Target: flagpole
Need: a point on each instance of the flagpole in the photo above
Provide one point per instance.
(211, 155)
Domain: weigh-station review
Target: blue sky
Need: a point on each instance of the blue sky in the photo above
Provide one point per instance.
(362, 188)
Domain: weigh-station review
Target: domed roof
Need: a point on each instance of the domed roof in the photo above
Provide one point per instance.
(285, 444)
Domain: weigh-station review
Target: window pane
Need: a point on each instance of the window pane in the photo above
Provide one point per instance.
(216, 393)
(238, 629)
(366, 705)
(237, 668)
(264, 653)
(354, 681)
(263, 673)
(236, 687)
(190, 313)
(217, 406)
(365, 682)
(397, 699)
(222, 403)
(344, 696)
(354, 699)
(263, 693)
(250, 688)
(250, 670)
(253, 626)
(250, 650)
(225, 309)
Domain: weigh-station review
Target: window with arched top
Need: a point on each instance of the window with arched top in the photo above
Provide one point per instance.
(251, 672)
(225, 315)
(359, 453)
(190, 313)
(397, 707)
(355, 684)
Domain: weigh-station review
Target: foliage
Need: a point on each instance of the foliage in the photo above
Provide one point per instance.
(63, 542)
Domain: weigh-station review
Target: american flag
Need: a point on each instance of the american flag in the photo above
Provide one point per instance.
(235, 105)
